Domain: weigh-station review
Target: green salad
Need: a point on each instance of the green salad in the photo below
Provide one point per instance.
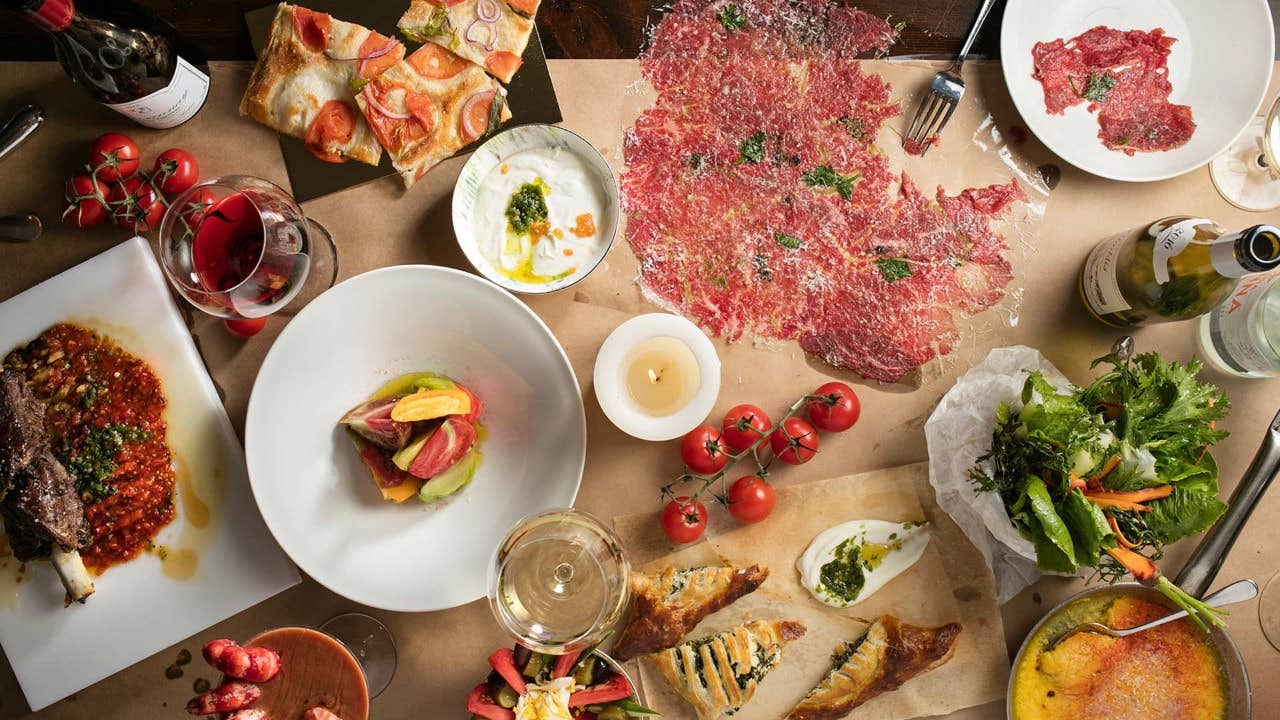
(1105, 476)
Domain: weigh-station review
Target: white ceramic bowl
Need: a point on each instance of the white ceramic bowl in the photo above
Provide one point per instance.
(502, 146)
(316, 496)
(1220, 66)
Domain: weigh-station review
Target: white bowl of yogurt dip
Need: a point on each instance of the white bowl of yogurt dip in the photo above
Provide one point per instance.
(535, 209)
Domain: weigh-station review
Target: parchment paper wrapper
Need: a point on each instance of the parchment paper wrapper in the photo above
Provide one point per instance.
(950, 583)
(959, 432)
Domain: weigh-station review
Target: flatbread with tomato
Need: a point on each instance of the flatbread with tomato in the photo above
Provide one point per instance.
(305, 82)
(429, 106)
(489, 33)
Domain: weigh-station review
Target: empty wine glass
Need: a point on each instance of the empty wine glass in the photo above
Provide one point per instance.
(1247, 174)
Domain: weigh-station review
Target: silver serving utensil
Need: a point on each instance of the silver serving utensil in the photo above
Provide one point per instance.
(21, 228)
(1237, 592)
(945, 91)
(15, 132)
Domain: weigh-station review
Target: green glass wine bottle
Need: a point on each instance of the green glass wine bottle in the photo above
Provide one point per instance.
(1177, 268)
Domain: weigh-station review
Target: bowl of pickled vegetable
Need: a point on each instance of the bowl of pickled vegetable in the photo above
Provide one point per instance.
(528, 685)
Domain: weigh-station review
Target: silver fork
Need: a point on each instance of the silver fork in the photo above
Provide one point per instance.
(1237, 592)
(944, 92)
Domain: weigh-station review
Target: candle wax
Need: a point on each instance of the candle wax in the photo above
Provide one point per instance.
(661, 375)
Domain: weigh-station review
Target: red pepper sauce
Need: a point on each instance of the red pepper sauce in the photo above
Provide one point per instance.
(105, 420)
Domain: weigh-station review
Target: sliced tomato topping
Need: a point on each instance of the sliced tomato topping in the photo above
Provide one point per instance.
(312, 28)
(373, 67)
(475, 115)
(395, 133)
(525, 7)
(502, 63)
(433, 61)
(422, 109)
(331, 130)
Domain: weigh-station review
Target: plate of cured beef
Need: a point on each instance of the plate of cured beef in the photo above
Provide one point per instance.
(1139, 90)
(128, 520)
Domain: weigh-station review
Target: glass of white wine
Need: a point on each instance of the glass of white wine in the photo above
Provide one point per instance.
(559, 581)
(1247, 174)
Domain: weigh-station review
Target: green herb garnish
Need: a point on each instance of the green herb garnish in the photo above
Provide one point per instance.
(852, 125)
(94, 462)
(893, 268)
(732, 17)
(790, 242)
(1097, 87)
(825, 177)
(528, 205)
(752, 149)
(843, 576)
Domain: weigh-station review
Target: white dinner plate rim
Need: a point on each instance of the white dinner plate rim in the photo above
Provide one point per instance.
(249, 443)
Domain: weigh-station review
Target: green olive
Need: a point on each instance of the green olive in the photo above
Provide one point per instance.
(582, 673)
(508, 697)
(612, 712)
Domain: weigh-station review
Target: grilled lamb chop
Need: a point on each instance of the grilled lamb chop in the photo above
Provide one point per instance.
(40, 505)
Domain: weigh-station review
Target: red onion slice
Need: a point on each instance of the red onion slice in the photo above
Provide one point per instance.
(382, 109)
(493, 34)
(388, 47)
(475, 132)
(488, 10)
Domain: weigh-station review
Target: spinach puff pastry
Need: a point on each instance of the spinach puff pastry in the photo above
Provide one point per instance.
(720, 673)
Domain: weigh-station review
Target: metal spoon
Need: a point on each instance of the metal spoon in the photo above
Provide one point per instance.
(1237, 592)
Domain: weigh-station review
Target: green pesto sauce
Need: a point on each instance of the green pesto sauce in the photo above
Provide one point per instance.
(843, 577)
(527, 206)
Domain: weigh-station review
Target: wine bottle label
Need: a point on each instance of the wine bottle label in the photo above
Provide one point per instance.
(1099, 283)
(1171, 242)
(1231, 327)
(172, 105)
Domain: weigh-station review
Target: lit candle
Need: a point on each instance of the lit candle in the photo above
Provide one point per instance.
(657, 376)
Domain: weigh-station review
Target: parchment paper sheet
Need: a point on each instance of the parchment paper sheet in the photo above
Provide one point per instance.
(950, 583)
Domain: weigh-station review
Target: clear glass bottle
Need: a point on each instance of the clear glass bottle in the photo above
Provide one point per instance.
(1177, 268)
(1241, 336)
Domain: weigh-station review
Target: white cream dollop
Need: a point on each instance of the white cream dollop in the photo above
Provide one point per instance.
(885, 550)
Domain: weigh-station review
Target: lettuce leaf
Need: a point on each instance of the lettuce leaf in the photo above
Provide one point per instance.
(1090, 532)
(1183, 513)
(1052, 528)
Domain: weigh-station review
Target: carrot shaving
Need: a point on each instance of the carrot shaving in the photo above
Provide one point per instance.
(1119, 504)
(1135, 496)
(1120, 538)
(1077, 483)
(1139, 566)
(1112, 464)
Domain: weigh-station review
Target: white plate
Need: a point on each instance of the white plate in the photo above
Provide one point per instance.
(138, 608)
(502, 146)
(1220, 66)
(317, 497)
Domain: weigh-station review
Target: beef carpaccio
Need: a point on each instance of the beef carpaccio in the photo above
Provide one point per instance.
(1123, 75)
(758, 201)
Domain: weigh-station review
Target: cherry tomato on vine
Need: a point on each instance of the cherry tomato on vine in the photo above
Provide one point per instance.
(245, 328)
(684, 520)
(750, 499)
(837, 409)
(704, 451)
(743, 425)
(795, 443)
(175, 171)
(135, 205)
(83, 201)
(114, 157)
(197, 205)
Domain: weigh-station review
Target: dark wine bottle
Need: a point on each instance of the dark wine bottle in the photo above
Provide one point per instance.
(130, 60)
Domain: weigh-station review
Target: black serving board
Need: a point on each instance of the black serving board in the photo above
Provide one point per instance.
(531, 95)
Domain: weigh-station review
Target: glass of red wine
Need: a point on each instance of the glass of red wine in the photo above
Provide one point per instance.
(239, 247)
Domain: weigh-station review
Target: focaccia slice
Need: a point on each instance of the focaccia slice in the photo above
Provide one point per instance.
(429, 106)
(461, 26)
(667, 606)
(719, 674)
(305, 82)
(890, 653)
